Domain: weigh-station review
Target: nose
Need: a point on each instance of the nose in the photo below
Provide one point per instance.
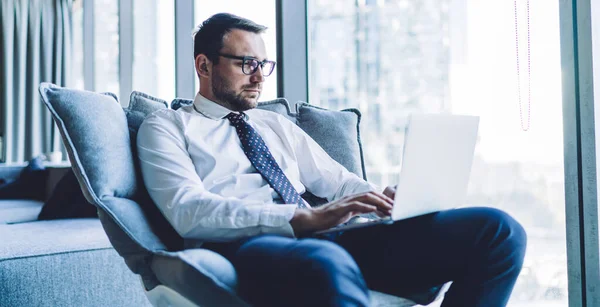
(257, 76)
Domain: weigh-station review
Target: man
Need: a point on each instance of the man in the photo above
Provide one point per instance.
(230, 175)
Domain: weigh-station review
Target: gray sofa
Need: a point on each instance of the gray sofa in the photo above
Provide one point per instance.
(72, 262)
(56, 263)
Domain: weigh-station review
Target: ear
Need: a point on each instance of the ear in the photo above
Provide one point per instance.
(203, 65)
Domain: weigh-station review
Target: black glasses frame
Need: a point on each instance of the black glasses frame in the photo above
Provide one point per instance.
(247, 60)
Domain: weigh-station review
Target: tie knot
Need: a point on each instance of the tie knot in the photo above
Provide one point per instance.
(235, 118)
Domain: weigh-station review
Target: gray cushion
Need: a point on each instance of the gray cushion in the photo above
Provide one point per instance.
(140, 106)
(180, 102)
(51, 237)
(19, 210)
(96, 132)
(338, 132)
(201, 275)
(9, 173)
(94, 278)
(279, 105)
(64, 263)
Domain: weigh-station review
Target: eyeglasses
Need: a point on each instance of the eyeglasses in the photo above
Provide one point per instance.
(250, 64)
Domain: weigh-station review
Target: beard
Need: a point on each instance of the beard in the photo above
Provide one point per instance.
(224, 93)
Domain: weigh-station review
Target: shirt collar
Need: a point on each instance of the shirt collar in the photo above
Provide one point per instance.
(211, 109)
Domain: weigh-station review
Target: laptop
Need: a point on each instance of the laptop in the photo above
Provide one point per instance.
(436, 165)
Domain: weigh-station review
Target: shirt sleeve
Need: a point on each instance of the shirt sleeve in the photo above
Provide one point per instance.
(321, 174)
(195, 213)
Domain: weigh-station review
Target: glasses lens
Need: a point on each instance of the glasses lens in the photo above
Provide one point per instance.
(250, 66)
(268, 68)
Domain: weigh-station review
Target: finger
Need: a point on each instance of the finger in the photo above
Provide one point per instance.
(390, 192)
(382, 205)
(385, 196)
(358, 207)
(382, 202)
(340, 214)
(381, 196)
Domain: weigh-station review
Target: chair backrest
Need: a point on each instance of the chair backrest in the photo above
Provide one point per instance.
(100, 140)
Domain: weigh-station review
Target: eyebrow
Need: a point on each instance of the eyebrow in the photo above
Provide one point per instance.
(253, 57)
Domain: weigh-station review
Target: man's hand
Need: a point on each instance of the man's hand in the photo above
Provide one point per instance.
(390, 191)
(340, 211)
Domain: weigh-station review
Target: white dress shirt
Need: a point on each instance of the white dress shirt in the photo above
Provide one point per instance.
(195, 170)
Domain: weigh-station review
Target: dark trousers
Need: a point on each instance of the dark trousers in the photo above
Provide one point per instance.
(480, 250)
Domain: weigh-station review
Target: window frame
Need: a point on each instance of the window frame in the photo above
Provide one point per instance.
(292, 50)
(581, 195)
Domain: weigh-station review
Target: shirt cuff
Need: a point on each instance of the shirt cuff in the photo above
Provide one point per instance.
(366, 186)
(276, 215)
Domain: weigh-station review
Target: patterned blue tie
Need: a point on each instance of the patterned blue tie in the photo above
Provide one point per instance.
(259, 155)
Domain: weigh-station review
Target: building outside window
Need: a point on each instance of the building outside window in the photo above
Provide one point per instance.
(154, 48)
(77, 80)
(391, 58)
(106, 46)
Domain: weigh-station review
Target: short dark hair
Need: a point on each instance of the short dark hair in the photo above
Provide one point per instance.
(208, 39)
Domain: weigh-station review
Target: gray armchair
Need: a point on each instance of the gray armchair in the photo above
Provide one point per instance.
(100, 139)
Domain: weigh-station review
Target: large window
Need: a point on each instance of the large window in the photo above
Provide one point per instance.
(154, 48)
(149, 47)
(106, 46)
(396, 57)
(595, 11)
(259, 11)
(77, 78)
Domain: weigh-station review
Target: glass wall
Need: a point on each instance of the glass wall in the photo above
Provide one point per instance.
(259, 11)
(391, 58)
(106, 46)
(154, 48)
(153, 66)
(596, 60)
(77, 64)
